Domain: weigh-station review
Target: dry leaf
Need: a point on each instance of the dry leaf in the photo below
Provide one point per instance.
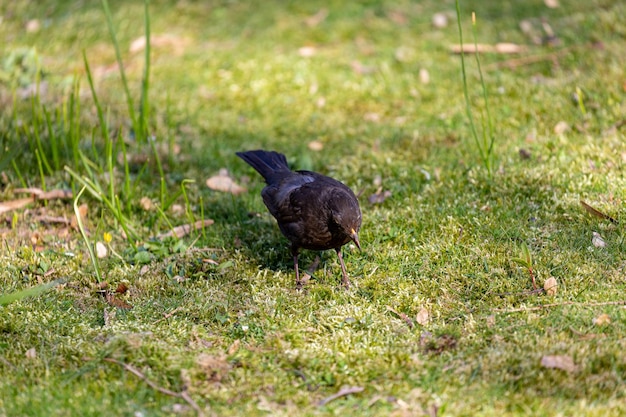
(563, 362)
(498, 48)
(33, 26)
(598, 241)
(214, 367)
(602, 320)
(101, 250)
(550, 286)
(552, 4)
(307, 51)
(491, 320)
(224, 183)
(116, 302)
(6, 206)
(316, 145)
(185, 229)
(424, 76)
(122, 288)
(31, 353)
(232, 349)
(423, 317)
(440, 20)
(561, 127)
(146, 204)
(597, 213)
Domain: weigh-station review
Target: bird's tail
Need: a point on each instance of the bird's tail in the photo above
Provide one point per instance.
(267, 163)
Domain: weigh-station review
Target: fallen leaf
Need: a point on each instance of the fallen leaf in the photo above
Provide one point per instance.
(552, 4)
(31, 353)
(602, 320)
(122, 288)
(597, 213)
(316, 145)
(424, 76)
(101, 250)
(598, 241)
(185, 229)
(116, 302)
(33, 26)
(423, 317)
(232, 349)
(550, 286)
(146, 204)
(307, 51)
(498, 48)
(561, 127)
(563, 362)
(214, 367)
(6, 206)
(224, 183)
(440, 20)
(491, 320)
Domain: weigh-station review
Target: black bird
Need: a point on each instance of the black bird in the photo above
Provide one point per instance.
(312, 210)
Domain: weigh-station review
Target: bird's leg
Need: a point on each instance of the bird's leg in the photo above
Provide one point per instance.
(294, 252)
(345, 281)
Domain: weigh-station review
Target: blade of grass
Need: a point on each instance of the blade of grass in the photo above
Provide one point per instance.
(81, 228)
(6, 299)
(118, 55)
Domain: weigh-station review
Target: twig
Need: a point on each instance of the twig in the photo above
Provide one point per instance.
(183, 394)
(342, 393)
(168, 315)
(566, 303)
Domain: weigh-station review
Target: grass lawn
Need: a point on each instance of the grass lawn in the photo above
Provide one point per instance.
(442, 318)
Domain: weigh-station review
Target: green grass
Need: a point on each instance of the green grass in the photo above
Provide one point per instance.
(216, 314)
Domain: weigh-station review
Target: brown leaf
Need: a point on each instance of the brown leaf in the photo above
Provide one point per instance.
(316, 145)
(185, 229)
(423, 317)
(116, 302)
(597, 213)
(122, 288)
(602, 320)
(563, 362)
(6, 206)
(214, 367)
(146, 203)
(550, 286)
(222, 182)
(499, 48)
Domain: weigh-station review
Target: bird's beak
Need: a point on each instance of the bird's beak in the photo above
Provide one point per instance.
(355, 238)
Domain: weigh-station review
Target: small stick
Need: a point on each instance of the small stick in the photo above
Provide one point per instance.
(183, 395)
(342, 393)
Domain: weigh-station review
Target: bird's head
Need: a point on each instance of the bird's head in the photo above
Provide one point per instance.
(347, 215)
